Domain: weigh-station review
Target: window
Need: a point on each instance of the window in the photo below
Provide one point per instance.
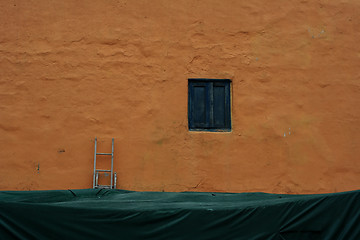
(209, 105)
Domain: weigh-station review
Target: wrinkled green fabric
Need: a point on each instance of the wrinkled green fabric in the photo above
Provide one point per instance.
(118, 214)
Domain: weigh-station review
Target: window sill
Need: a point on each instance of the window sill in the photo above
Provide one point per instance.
(210, 130)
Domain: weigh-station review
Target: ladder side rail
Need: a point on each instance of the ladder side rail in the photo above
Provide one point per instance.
(97, 180)
(112, 163)
(94, 182)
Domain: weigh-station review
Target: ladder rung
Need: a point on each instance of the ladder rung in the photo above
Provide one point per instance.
(103, 153)
(100, 170)
(103, 186)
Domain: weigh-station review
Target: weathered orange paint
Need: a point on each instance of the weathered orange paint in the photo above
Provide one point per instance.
(73, 70)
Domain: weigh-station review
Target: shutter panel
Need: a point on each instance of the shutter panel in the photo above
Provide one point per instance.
(198, 105)
(219, 105)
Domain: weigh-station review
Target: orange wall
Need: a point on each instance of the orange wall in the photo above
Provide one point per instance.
(73, 70)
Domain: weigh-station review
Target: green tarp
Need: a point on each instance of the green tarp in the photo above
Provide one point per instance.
(118, 214)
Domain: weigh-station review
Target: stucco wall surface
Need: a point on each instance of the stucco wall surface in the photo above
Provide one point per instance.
(73, 70)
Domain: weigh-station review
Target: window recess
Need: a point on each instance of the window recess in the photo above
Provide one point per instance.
(209, 104)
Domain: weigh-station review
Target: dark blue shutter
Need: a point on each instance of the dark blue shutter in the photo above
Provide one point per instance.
(221, 104)
(199, 105)
(218, 105)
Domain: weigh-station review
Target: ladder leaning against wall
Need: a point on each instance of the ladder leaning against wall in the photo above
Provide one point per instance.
(97, 172)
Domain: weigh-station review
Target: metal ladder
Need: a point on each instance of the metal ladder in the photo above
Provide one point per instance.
(99, 171)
